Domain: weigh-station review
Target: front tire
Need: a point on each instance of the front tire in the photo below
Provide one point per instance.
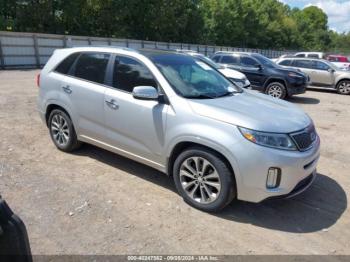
(276, 89)
(62, 131)
(203, 179)
(343, 87)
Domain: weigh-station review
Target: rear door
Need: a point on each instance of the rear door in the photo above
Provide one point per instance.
(84, 87)
(134, 127)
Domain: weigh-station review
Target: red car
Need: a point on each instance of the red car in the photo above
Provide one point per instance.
(340, 61)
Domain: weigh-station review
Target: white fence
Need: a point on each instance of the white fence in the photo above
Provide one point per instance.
(31, 50)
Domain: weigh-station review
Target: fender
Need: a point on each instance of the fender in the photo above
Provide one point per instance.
(211, 144)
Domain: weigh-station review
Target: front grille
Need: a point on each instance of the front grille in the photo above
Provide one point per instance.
(305, 138)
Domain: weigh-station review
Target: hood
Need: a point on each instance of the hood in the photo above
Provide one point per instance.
(253, 110)
(231, 73)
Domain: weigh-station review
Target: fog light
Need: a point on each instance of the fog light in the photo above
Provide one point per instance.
(273, 177)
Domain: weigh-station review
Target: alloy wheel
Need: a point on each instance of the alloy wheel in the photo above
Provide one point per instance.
(344, 87)
(60, 130)
(275, 91)
(200, 180)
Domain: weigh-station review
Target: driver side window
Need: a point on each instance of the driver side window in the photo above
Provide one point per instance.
(320, 66)
(248, 62)
(128, 73)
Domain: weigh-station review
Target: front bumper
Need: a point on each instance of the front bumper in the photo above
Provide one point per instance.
(299, 188)
(297, 86)
(254, 161)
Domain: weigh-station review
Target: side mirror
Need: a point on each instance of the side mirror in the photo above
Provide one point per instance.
(331, 70)
(145, 93)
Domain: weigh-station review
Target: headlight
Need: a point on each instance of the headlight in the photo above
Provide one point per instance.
(240, 82)
(280, 141)
(292, 74)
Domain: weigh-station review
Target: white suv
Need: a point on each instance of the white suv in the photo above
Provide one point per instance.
(182, 117)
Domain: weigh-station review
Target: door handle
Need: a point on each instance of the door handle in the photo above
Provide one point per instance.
(112, 104)
(67, 89)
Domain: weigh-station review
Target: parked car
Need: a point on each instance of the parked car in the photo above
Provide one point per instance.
(233, 75)
(184, 118)
(318, 55)
(322, 73)
(14, 242)
(263, 74)
(340, 61)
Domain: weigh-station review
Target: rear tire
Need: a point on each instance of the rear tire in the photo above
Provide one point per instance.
(343, 87)
(276, 89)
(203, 179)
(62, 131)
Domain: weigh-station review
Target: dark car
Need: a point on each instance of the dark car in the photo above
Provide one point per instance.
(264, 75)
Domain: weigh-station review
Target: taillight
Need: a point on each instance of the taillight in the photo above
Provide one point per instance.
(38, 80)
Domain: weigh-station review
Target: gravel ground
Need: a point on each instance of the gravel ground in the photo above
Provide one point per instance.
(96, 202)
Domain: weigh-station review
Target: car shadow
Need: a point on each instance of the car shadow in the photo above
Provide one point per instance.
(318, 208)
(127, 165)
(303, 100)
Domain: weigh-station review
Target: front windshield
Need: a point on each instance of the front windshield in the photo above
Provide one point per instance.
(192, 78)
(264, 60)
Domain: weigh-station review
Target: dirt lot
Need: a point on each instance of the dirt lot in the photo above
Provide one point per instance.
(95, 202)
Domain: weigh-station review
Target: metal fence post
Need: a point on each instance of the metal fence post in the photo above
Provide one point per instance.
(89, 40)
(206, 50)
(64, 39)
(36, 51)
(2, 60)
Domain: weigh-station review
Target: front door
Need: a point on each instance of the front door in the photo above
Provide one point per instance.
(135, 128)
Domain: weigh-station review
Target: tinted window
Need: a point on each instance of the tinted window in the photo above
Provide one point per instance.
(303, 63)
(229, 59)
(320, 65)
(66, 64)
(129, 73)
(216, 58)
(300, 55)
(248, 62)
(313, 55)
(285, 62)
(332, 59)
(92, 67)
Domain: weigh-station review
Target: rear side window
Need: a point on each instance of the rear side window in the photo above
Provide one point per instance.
(66, 64)
(129, 73)
(300, 55)
(332, 59)
(303, 63)
(286, 62)
(91, 67)
(229, 59)
(313, 55)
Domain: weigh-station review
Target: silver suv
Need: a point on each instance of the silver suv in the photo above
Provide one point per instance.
(321, 72)
(182, 117)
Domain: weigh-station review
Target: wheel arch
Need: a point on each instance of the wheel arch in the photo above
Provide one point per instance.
(51, 107)
(275, 79)
(339, 80)
(183, 145)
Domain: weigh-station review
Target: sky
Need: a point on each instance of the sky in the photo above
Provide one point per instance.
(338, 11)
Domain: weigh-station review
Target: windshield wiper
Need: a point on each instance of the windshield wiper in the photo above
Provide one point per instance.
(229, 93)
(201, 96)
